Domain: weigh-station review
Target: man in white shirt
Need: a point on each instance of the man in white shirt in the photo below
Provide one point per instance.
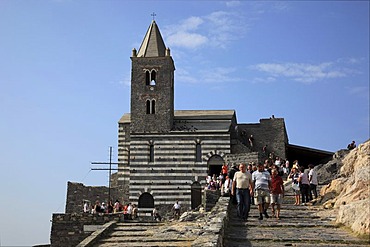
(244, 188)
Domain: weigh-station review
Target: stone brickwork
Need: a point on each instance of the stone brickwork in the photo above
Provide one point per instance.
(77, 193)
(162, 93)
(71, 229)
(270, 132)
(211, 198)
(241, 158)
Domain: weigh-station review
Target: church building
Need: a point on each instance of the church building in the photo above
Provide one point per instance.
(165, 155)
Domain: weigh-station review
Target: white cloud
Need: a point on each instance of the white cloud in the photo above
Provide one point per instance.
(233, 3)
(182, 75)
(218, 75)
(192, 23)
(301, 72)
(216, 30)
(359, 92)
(214, 75)
(187, 40)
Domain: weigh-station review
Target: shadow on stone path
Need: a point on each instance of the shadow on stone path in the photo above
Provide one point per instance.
(298, 226)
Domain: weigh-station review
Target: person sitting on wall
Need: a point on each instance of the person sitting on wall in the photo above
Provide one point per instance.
(176, 207)
(103, 207)
(129, 211)
(97, 208)
(156, 215)
(251, 141)
(352, 145)
(134, 211)
(264, 149)
(117, 206)
(86, 207)
(125, 214)
(110, 207)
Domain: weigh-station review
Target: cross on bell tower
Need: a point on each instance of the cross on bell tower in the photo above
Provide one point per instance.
(153, 15)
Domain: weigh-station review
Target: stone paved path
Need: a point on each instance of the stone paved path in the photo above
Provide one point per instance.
(298, 226)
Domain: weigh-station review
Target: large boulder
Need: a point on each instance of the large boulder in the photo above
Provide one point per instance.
(352, 190)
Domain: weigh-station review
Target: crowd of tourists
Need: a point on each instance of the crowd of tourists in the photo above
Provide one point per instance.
(128, 210)
(263, 185)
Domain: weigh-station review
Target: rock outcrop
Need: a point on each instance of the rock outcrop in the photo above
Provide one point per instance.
(350, 191)
(331, 170)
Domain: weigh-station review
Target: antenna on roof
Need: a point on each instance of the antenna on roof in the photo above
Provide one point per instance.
(153, 15)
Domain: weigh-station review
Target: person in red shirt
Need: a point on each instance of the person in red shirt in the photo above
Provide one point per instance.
(224, 172)
(277, 193)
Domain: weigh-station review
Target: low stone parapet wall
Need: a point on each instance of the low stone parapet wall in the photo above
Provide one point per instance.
(211, 198)
(216, 223)
(71, 229)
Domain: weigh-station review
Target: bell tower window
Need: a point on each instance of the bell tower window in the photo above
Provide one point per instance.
(150, 78)
(150, 106)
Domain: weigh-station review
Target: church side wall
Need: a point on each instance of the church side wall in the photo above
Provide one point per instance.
(170, 176)
(123, 175)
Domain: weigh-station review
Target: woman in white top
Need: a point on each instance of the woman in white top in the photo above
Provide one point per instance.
(304, 185)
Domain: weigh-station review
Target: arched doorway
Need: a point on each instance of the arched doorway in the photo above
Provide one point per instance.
(146, 200)
(215, 164)
(196, 195)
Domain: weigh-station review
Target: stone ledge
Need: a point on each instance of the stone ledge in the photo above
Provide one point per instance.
(213, 234)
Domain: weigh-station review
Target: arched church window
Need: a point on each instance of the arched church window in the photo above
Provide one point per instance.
(198, 153)
(147, 78)
(148, 107)
(153, 107)
(151, 153)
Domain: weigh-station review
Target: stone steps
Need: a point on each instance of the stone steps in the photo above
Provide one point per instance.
(298, 226)
(143, 234)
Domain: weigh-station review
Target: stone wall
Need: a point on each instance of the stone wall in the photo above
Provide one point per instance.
(216, 222)
(71, 229)
(162, 93)
(210, 198)
(270, 132)
(77, 193)
(241, 158)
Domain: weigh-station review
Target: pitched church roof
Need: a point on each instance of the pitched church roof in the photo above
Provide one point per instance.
(152, 45)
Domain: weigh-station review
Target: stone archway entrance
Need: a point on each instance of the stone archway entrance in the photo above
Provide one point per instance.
(215, 164)
(196, 195)
(146, 200)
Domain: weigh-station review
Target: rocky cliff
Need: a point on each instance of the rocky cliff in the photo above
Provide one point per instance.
(350, 190)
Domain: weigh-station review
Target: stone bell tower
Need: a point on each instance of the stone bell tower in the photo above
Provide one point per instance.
(152, 85)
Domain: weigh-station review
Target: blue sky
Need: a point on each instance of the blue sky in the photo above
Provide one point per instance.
(65, 82)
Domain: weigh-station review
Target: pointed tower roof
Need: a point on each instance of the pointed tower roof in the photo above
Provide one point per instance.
(153, 45)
